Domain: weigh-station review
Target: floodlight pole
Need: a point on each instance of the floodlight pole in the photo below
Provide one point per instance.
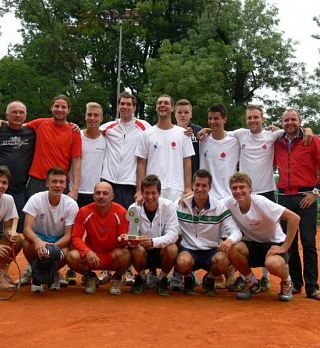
(119, 65)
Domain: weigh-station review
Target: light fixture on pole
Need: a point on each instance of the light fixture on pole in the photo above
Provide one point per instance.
(112, 17)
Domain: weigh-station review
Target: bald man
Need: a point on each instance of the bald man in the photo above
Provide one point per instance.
(103, 221)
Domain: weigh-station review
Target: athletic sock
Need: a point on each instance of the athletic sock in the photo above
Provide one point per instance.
(162, 275)
(265, 273)
(142, 273)
(287, 279)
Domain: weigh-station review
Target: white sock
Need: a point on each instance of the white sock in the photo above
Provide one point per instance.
(287, 279)
(251, 277)
(265, 273)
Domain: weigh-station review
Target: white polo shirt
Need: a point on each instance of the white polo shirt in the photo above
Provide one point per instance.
(219, 158)
(256, 157)
(165, 151)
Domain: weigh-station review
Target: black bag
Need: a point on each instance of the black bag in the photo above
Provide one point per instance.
(43, 270)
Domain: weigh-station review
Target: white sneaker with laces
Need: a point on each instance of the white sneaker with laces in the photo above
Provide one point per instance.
(151, 280)
(56, 283)
(176, 282)
(37, 288)
(91, 283)
(115, 288)
(128, 278)
(25, 277)
(104, 277)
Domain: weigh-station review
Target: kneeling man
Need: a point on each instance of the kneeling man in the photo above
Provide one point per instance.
(48, 222)
(203, 221)
(264, 244)
(104, 222)
(158, 232)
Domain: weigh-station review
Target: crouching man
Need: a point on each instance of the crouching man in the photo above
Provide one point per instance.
(158, 232)
(203, 219)
(10, 241)
(264, 243)
(104, 222)
(47, 228)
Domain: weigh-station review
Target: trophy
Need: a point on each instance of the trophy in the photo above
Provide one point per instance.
(133, 217)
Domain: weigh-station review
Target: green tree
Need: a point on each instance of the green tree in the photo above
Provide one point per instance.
(235, 50)
(72, 42)
(22, 82)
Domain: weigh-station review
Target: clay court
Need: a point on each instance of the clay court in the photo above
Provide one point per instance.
(71, 318)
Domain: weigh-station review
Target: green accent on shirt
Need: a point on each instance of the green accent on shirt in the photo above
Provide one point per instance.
(205, 219)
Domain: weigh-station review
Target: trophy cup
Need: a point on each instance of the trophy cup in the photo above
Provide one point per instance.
(133, 217)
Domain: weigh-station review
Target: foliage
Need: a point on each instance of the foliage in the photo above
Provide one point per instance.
(207, 51)
(235, 50)
(71, 41)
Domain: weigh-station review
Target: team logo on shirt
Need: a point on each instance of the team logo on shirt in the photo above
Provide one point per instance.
(206, 153)
(156, 145)
(16, 142)
(173, 145)
(264, 146)
(243, 146)
(222, 155)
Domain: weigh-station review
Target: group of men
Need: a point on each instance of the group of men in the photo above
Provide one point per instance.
(190, 218)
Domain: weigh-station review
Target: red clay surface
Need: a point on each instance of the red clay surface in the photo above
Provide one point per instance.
(71, 318)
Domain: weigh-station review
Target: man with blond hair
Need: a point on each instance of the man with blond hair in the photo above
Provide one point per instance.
(264, 244)
(93, 151)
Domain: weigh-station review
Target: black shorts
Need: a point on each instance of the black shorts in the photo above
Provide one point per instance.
(84, 199)
(123, 194)
(269, 195)
(258, 252)
(153, 259)
(202, 258)
(35, 185)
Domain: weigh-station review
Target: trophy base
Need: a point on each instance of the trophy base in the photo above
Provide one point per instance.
(134, 237)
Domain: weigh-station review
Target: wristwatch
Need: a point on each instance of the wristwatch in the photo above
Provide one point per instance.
(316, 192)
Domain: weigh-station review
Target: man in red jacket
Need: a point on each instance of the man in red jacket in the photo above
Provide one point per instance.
(298, 191)
(103, 222)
